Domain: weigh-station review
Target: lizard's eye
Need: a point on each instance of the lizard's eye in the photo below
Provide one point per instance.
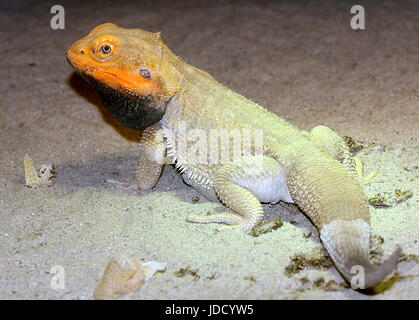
(105, 49)
(145, 73)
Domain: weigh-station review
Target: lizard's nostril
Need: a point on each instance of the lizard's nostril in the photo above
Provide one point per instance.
(81, 51)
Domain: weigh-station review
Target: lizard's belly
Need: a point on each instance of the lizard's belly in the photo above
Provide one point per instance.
(268, 188)
(267, 182)
(271, 189)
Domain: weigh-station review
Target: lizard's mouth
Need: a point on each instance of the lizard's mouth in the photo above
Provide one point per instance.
(74, 61)
(80, 67)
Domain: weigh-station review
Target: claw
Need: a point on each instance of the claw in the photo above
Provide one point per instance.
(359, 167)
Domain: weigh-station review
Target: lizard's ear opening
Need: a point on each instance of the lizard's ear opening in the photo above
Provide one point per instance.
(156, 73)
(145, 73)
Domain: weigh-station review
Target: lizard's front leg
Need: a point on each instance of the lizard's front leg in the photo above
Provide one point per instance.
(241, 185)
(151, 159)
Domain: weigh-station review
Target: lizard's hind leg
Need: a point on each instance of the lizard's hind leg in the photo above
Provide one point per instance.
(330, 142)
(241, 185)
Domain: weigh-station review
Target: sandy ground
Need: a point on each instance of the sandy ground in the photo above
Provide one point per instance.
(301, 60)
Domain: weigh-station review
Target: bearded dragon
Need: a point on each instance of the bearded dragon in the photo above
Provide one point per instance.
(180, 108)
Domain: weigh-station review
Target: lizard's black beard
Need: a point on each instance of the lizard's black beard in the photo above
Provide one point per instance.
(135, 112)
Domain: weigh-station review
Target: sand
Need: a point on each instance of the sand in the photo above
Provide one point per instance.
(300, 60)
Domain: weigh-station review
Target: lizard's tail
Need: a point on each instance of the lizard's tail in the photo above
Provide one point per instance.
(347, 242)
(334, 200)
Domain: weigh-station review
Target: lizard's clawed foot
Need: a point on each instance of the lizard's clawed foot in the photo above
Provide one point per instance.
(267, 226)
(359, 167)
(236, 223)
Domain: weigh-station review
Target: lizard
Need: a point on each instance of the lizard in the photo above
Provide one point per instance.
(147, 87)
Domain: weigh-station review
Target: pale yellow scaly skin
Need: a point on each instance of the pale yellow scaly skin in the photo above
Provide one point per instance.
(151, 158)
(314, 170)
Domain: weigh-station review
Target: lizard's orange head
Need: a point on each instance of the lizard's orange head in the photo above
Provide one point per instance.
(130, 68)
